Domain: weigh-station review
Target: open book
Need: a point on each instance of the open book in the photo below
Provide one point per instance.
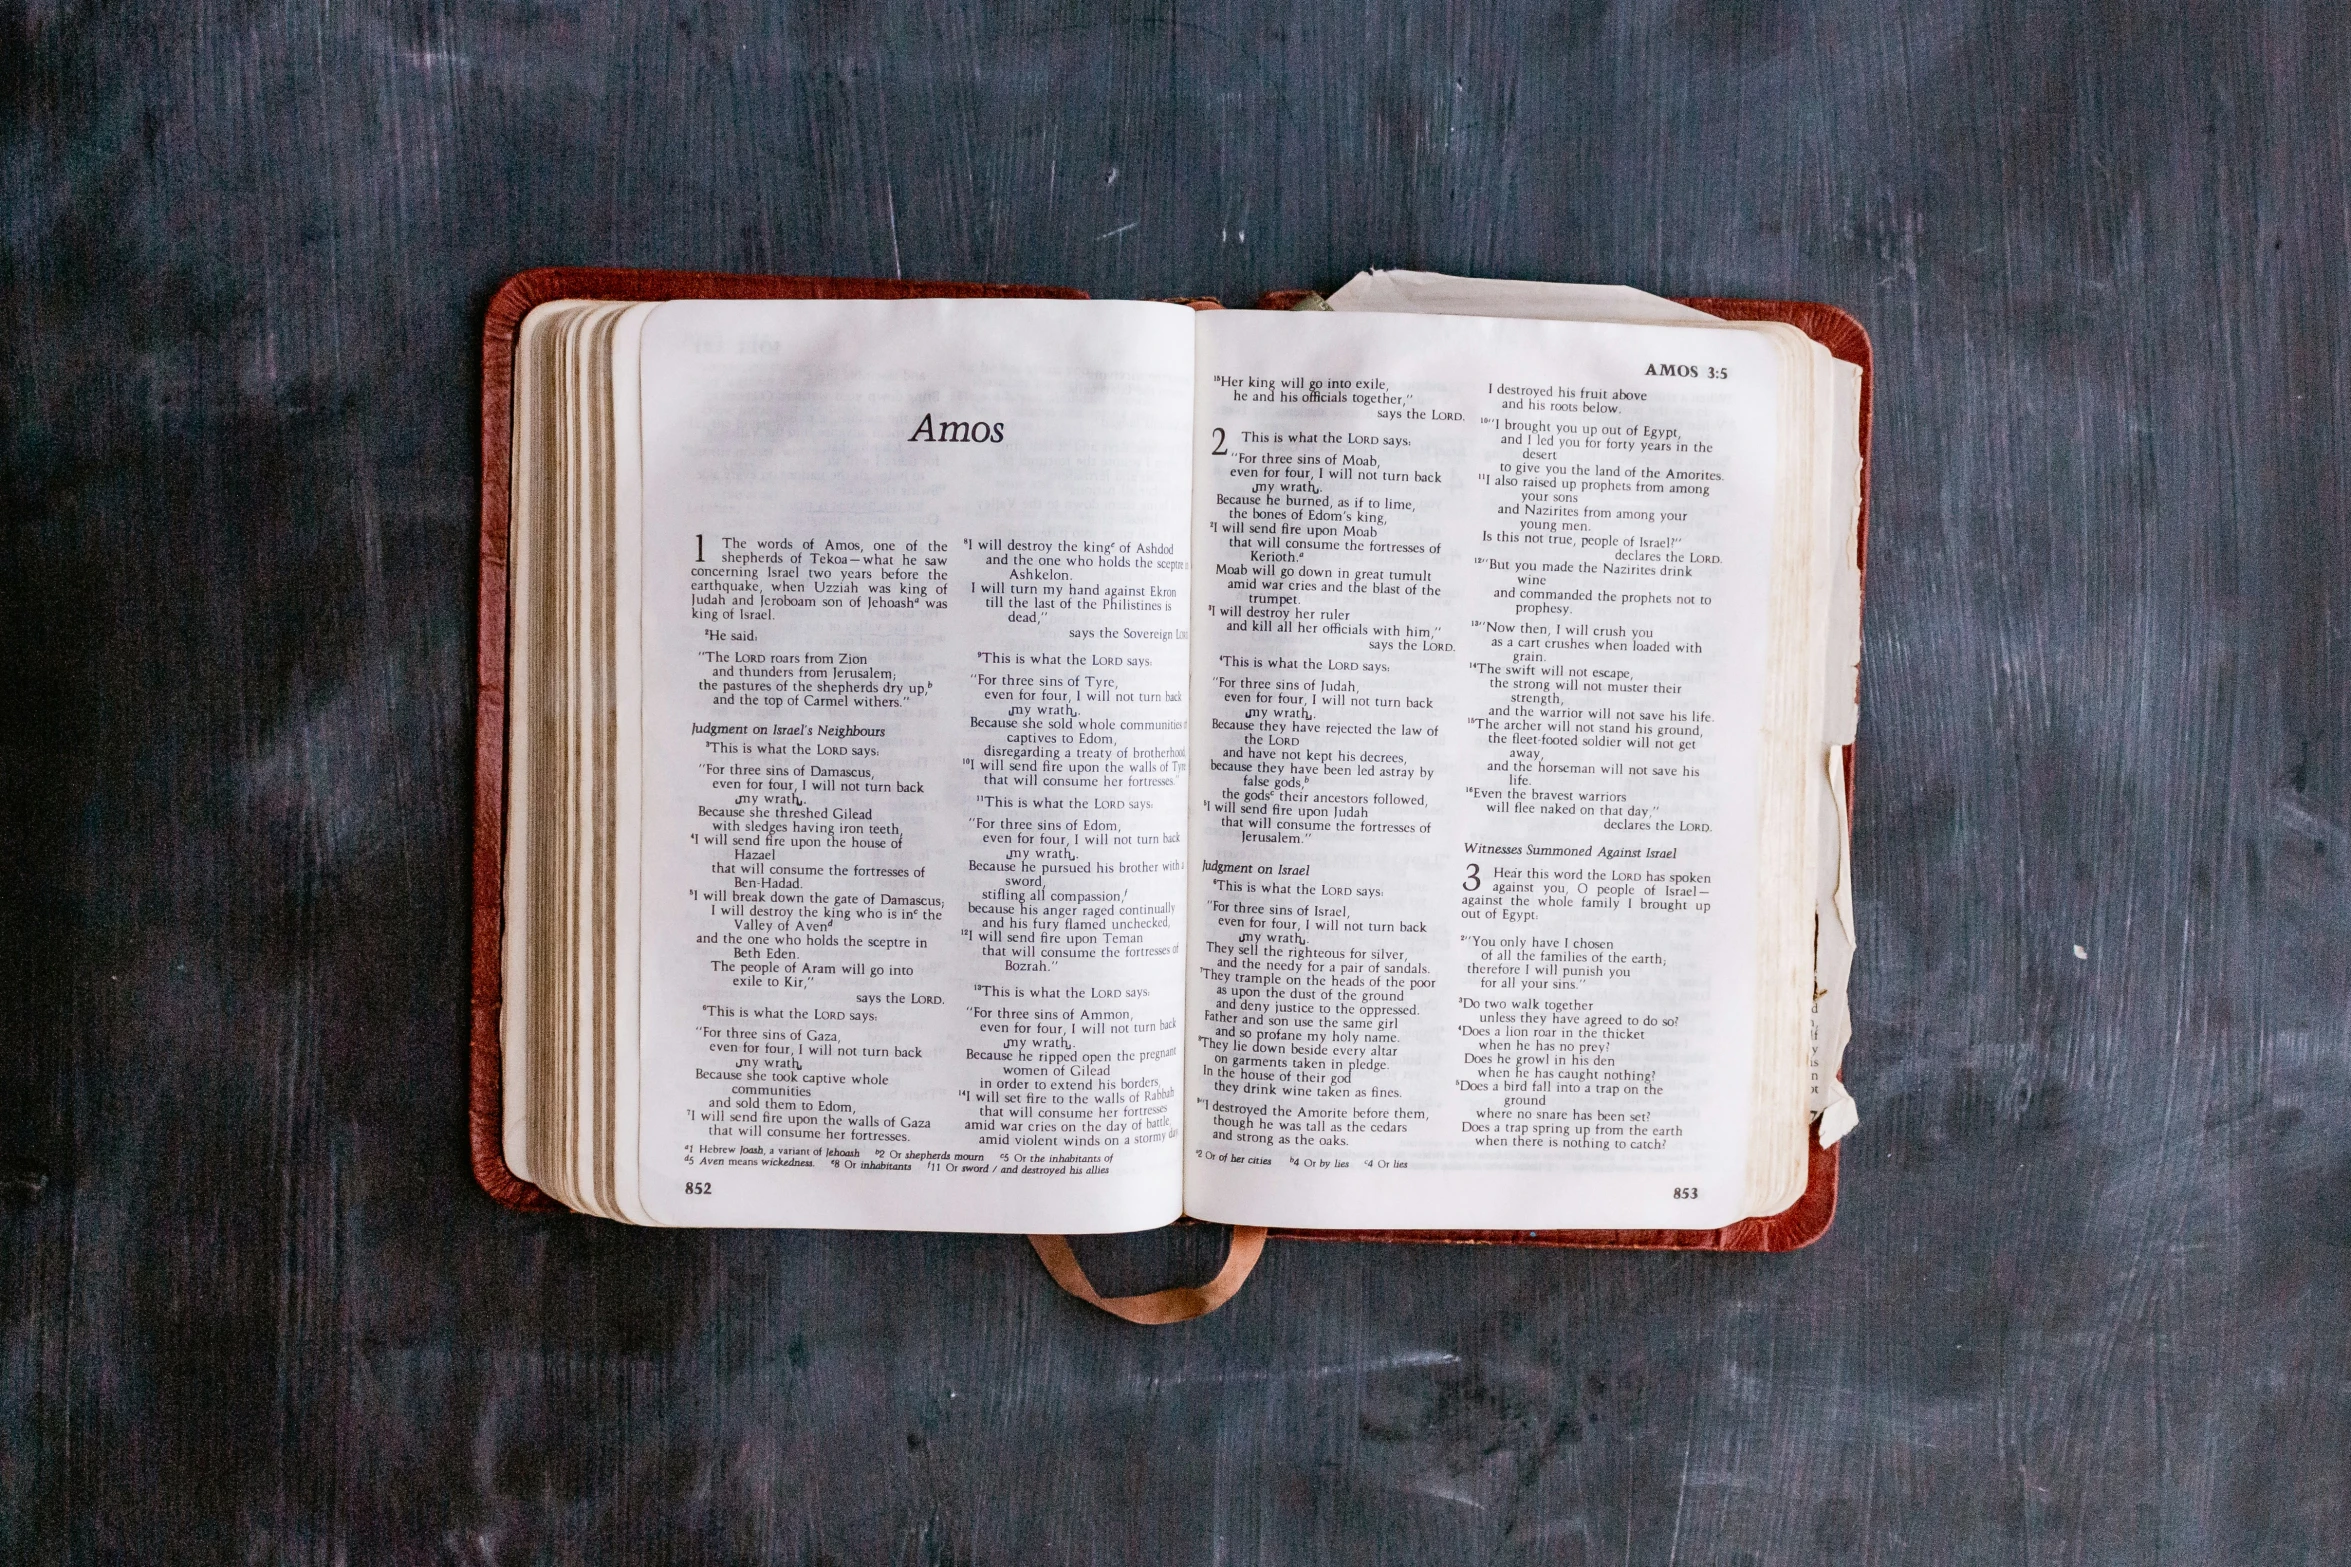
(1053, 765)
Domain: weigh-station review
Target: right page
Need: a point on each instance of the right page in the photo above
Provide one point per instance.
(1505, 684)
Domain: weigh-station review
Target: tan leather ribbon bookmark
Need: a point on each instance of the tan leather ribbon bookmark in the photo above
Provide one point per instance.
(1181, 1303)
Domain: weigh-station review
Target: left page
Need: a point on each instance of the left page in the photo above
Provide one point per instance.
(913, 640)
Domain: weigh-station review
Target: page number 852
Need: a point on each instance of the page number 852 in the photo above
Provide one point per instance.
(697, 1188)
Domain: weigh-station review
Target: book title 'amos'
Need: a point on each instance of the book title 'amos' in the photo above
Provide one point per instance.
(976, 431)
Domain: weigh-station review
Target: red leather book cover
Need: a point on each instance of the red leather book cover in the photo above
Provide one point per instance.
(1843, 336)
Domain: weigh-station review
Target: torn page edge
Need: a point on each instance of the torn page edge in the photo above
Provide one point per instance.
(1836, 939)
(1833, 946)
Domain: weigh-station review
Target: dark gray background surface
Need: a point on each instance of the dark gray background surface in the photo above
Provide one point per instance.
(2086, 1297)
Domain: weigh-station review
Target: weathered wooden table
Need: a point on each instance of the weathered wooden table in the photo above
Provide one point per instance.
(2086, 1299)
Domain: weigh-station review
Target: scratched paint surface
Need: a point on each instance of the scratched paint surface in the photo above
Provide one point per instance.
(2086, 1298)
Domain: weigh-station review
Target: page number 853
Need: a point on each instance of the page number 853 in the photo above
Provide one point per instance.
(1685, 1193)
